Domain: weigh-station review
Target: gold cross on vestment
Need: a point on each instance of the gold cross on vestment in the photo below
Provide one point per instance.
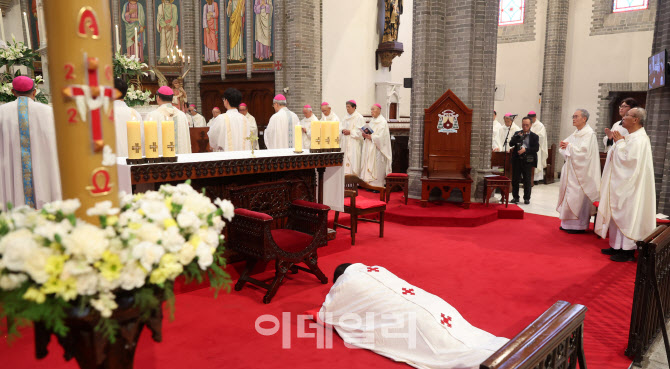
(153, 146)
(137, 148)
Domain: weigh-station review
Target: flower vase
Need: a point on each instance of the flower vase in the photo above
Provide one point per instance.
(91, 349)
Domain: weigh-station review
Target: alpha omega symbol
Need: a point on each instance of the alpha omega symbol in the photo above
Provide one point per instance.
(448, 122)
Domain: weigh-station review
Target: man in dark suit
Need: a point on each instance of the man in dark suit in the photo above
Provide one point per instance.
(525, 145)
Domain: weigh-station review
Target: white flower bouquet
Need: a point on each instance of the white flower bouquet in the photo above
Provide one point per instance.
(6, 94)
(135, 97)
(52, 264)
(17, 53)
(129, 66)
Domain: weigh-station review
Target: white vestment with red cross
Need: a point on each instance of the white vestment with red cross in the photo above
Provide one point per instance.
(372, 308)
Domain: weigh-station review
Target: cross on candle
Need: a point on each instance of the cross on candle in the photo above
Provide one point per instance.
(171, 146)
(137, 148)
(153, 147)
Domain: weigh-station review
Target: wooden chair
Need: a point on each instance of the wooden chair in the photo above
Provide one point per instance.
(446, 149)
(549, 170)
(397, 180)
(251, 234)
(501, 182)
(357, 206)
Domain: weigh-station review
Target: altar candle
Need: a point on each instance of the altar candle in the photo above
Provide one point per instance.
(118, 43)
(167, 131)
(2, 26)
(315, 143)
(134, 140)
(297, 137)
(151, 139)
(326, 142)
(335, 135)
(27, 25)
(136, 53)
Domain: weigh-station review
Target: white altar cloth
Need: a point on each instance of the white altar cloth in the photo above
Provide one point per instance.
(333, 178)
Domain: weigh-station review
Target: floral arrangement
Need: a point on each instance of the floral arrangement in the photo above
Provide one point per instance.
(6, 94)
(129, 66)
(135, 97)
(17, 54)
(53, 265)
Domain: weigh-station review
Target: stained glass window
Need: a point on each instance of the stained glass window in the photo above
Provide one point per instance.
(630, 5)
(511, 12)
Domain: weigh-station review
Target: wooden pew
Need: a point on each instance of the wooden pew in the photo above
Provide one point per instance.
(554, 340)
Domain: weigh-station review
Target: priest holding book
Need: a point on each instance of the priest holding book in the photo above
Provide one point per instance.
(376, 157)
(352, 139)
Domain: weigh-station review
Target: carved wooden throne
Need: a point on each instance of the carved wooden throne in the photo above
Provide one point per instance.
(446, 149)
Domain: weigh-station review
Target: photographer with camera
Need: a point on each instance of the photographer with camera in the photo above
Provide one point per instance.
(525, 144)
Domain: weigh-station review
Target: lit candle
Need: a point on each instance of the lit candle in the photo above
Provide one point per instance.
(136, 53)
(2, 26)
(151, 139)
(325, 135)
(167, 131)
(335, 135)
(315, 143)
(189, 59)
(134, 140)
(297, 138)
(27, 25)
(118, 42)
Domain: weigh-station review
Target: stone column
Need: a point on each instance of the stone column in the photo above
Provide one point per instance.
(658, 119)
(190, 39)
(454, 46)
(554, 68)
(298, 48)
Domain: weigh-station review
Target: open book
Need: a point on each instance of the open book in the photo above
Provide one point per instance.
(367, 130)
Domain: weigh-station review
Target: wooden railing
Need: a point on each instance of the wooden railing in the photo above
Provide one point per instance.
(554, 340)
(651, 300)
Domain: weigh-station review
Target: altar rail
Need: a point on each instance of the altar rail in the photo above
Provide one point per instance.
(651, 300)
(554, 340)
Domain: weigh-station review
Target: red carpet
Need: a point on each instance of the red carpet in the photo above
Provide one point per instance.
(444, 214)
(500, 276)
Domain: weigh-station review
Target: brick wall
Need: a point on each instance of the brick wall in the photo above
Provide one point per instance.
(658, 107)
(520, 32)
(605, 22)
(605, 100)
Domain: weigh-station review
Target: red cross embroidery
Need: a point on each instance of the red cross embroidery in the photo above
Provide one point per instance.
(373, 269)
(446, 320)
(408, 291)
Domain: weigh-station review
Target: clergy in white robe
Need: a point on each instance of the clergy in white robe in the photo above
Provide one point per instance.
(580, 176)
(123, 114)
(306, 124)
(167, 112)
(627, 104)
(627, 210)
(215, 113)
(244, 110)
(230, 131)
(195, 119)
(506, 132)
(542, 155)
(352, 139)
(496, 129)
(279, 132)
(376, 157)
(29, 173)
(327, 113)
(372, 308)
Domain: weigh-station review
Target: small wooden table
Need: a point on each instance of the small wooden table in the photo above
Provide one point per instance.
(491, 183)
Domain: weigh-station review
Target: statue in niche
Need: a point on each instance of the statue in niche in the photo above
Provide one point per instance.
(392, 12)
(389, 25)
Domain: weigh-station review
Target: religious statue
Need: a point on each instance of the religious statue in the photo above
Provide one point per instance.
(133, 18)
(263, 34)
(210, 25)
(179, 98)
(168, 26)
(235, 13)
(392, 12)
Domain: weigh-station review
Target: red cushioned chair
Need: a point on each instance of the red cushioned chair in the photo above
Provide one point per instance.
(394, 180)
(251, 234)
(357, 206)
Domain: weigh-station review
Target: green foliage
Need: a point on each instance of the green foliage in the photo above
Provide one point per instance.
(19, 311)
(108, 328)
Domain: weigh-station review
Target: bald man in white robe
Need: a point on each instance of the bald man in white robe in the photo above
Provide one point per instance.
(306, 124)
(29, 172)
(279, 132)
(327, 113)
(580, 176)
(409, 324)
(376, 156)
(627, 210)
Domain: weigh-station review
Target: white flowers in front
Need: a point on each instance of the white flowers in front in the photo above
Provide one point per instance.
(152, 239)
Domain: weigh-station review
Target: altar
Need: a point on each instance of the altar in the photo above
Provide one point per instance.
(267, 182)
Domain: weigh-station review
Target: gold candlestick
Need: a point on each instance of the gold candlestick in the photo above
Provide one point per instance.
(80, 55)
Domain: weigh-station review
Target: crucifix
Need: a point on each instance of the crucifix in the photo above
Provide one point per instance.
(252, 139)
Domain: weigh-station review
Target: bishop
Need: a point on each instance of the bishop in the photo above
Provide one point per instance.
(279, 132)
(167, 112)
(376, 157)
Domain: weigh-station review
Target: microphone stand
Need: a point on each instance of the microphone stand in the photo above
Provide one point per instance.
(509, 129)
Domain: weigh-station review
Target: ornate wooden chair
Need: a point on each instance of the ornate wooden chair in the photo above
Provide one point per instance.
(397, 180)
(251, 234)
(357, 206)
